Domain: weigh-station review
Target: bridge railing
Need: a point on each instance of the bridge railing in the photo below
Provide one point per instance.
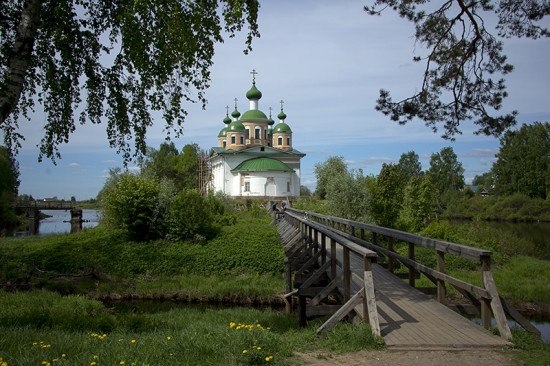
(374, 237)
(340, 271)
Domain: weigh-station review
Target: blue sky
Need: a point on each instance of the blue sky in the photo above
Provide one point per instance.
(327, 60)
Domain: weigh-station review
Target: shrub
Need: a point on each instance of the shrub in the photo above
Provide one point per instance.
(190, 216)
(132, 204)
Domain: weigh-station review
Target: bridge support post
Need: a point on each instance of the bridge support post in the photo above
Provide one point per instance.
(76, 220)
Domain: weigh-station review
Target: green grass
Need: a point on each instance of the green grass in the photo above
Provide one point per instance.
(42, 326)
(99, 262)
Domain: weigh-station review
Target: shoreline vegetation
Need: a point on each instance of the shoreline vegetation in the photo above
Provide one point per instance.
(97, 287)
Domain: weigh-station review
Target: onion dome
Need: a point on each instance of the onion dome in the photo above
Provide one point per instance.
(282, 127)
(254, 93)
(236, 114)
(236, 126)
(254, 115)
(227, 120)
(281, 115)
(270, 121)
(223, 132)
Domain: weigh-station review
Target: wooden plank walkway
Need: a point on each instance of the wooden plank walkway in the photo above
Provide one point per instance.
(410, 319)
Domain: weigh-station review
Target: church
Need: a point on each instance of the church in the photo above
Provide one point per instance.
(255, 156)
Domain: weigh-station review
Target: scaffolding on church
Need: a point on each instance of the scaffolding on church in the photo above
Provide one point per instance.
(205, 173)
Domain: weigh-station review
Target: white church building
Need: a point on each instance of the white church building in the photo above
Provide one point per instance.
(255, 156)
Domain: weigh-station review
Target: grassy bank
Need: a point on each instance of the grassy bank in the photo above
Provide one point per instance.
(43, 328)
(245, 260)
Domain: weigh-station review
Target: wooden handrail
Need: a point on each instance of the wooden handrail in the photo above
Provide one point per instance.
(366, 294)
(490, 300)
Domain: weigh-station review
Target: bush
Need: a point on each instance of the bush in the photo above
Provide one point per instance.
(191, 217)
(132, 204)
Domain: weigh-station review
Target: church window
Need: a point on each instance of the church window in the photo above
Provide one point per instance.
(288, 186)
(242, 140)
(257, 133)
(233, 140)
(224, 144)
(247, 186)
(280, 141)
(288, 141)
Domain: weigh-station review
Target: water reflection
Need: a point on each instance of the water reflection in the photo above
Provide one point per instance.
(59, 221)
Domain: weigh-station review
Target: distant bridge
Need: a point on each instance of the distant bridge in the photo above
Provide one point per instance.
(343, 268)
(44, 205)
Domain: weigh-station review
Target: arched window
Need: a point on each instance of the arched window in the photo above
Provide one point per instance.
(224, 144)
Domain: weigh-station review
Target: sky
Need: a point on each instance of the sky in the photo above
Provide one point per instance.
(327, 60)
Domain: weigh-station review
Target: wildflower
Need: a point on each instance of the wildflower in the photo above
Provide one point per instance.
(133, 341)
(63, 355)
(168, 338)
(122, 363)
(2, 362)
(245, 351)
(232, 325)
(93, 363)
(268, 358)
(45, 363)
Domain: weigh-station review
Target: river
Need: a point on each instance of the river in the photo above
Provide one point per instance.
(58, 221)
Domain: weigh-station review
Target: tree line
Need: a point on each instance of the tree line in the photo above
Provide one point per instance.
(406, 197)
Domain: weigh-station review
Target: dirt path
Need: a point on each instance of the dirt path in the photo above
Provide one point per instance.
(410, 358)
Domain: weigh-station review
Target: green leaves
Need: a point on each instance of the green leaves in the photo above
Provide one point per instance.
(126, 58)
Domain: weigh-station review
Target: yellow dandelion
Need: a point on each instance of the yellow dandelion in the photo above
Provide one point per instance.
(268, 358)
(63, 355)
(93, 363)
(168, 338)
(133, 341)
(245, 351)
(122, 363)
(232, 325)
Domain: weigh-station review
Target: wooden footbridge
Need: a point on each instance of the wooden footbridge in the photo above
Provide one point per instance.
(334, 270)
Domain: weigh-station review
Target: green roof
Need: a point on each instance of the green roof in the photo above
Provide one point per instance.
(262, 165)
(236, 126)
(223, 132)
(254, 115)
(253, 93)
(282, 127)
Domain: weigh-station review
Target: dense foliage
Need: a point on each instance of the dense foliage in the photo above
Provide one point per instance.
(110, 62)
(523, 162)
(464, 60)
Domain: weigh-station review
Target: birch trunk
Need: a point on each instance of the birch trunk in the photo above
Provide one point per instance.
(20, 58)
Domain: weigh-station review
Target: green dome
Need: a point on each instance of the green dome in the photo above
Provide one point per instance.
(282, 127)
(236, 126)
(236, 113)
(270, 121)
(262, 165)
(227, 120)
(254, 115)
(253, 93)
(223, 132)
(281, 115)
